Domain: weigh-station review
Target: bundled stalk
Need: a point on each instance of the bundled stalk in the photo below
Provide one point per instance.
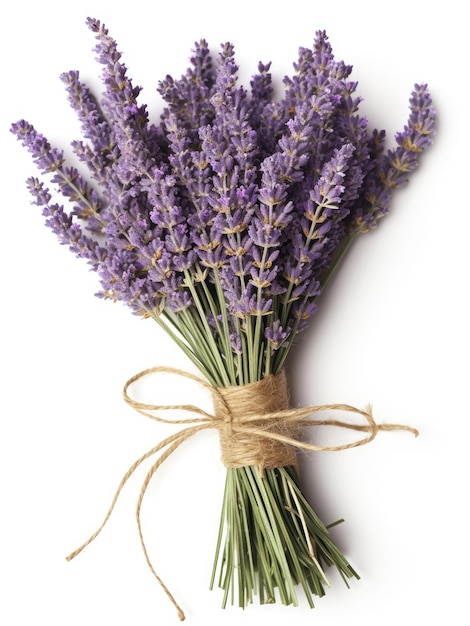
(223, 223)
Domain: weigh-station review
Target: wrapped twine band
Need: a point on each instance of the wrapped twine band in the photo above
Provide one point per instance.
(255, 425)
(244, 406)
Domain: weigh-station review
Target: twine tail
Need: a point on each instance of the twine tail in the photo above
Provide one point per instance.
(143, 490)
(410, 429)
(173, 442)
(117, 493)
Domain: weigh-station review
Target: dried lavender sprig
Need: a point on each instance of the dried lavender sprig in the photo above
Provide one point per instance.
(261, 101)
(100, 151)
(298, 303)
(71, 184)
(128, 118)
(68, 232)
(393, 169)
(389, 172)
(188, 99)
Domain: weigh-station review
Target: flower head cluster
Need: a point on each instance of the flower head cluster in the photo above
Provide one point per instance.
(223, 220)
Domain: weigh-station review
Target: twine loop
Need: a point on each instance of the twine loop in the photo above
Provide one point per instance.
(255, 425)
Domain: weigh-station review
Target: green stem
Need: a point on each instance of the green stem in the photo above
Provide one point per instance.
(273, 540)
(337, 260)
(206, 332)
(225, 330)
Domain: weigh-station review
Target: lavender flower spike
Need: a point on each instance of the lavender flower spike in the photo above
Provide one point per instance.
(393, 169)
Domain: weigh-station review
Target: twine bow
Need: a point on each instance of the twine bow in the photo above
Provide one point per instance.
(255, 425)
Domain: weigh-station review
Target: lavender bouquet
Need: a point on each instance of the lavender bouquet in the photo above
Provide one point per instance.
(223, 223)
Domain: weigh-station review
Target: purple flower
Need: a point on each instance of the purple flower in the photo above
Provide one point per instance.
(276, 335)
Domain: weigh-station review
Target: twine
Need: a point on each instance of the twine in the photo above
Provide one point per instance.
(256, 427)
(235, 405)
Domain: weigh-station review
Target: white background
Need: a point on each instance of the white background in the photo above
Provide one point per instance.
(392, 330)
